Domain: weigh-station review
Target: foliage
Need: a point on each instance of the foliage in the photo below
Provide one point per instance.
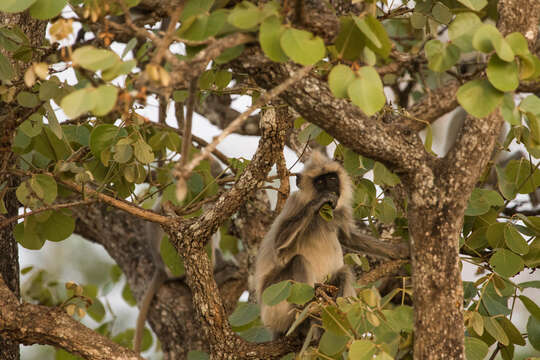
(104, 142)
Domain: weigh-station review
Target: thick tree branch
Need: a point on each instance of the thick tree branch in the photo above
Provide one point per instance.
(36, 324)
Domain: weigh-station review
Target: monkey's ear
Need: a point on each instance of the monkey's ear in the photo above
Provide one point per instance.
(298, 180)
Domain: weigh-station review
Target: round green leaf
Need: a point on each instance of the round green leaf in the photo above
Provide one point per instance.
(475, 349)
(104, 99)
(78, 103)
(339, 79)
(503, 75)
(33, 125)
(495, 235)
(102, 137)
(531, 306)
(94, 59)
(362, 350)
(244, 314)
(13, 6)
(27, 237)
(332, 344)
(487, 38)
(269, 38)
(441, 13)
(27, 99)
(475, 5)
(197, 355)
(506, 263)
(143, 152)
(514, 240)
(366, 91)
(58, 227)
(47, 184)
(530, 104)
(375, 34)
(479, 98)
(245, 15)
(276, 293)
(518, 43)
(301, 293)
(418, 20)
(441, 56)
(302, 47)
(46, 9)
(462, 29)
(123, 153)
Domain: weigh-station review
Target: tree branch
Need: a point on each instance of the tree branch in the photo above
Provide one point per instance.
(36, 324)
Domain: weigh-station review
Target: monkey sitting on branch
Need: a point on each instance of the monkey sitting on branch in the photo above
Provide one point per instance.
(303, 246)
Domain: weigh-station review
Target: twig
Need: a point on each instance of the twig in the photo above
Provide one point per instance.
(8, 221)
(185, 171)
(186, 145)
(284, 184)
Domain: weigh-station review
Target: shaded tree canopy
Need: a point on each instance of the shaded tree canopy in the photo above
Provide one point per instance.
(82, 152)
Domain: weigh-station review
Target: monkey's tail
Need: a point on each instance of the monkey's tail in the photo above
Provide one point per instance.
(158, 279)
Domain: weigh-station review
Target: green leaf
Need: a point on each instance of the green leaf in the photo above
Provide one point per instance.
(27, 99)
(334, 320)
(302, 47)
(481, 201)
(94, 59)
(479, 98)
(276, 293)
(103, 137)
(223, 78)
(120, 68)
(362, 350)
(462, 29)
(229, 54)
(475, 5)
(530, 104)
(375, 34)
(495, 329)
(503, 75)
(514, 240)
(326, 212)
(518, 43)
(441, 13)
(12, 6)
(269, 38)
(27, 237)
(244, 314)
(510, 329)
(171, 258)
(143, 152)
(533, 332)
(47, 184)
(386, 211)
(475, 349)
(509, 110)
(123, 153)
(195, 7)
(96, 311)
(301, 293)
(58, 227)
(366, 91)
(383, 176)
(332, 344)
(495, 235)
(532, 259)
(33, 125)
(257, 334)
(506, 263)
(78, 102)
(441, 56)
(531, 306)
(245, 15)
(6, 71)
(104, 99)
(46, 9)
(339, 79)
(350, 40)
(418, 20)
(487, 38)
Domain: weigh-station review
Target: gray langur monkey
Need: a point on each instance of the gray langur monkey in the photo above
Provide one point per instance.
(301, 245)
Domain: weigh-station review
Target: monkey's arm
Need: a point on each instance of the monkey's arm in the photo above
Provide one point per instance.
(372, 246)
(294, 223)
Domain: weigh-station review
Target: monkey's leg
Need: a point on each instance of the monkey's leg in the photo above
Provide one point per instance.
(344, 280)
(281, 316)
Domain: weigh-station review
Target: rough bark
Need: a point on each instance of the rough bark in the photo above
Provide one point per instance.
(9, 261)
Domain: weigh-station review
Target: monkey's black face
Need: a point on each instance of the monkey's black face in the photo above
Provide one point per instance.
(327, 183)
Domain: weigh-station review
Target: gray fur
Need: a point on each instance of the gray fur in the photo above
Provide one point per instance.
(302, 246)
